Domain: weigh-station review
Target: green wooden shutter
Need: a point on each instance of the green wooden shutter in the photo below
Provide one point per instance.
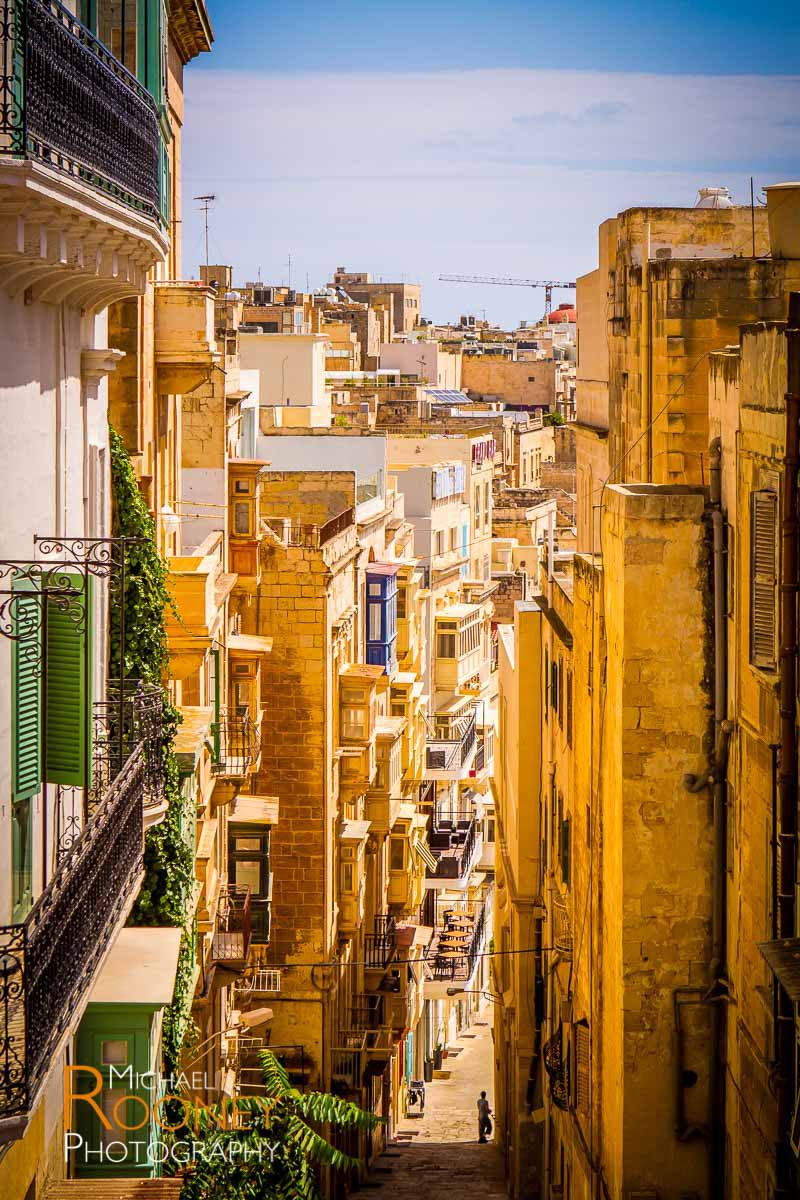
(68, 686)
(26, 717)
(763, 578)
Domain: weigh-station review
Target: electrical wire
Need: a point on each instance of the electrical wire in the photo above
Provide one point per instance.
(423, 958)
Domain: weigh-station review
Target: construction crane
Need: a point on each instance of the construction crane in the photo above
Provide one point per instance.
(505, 281)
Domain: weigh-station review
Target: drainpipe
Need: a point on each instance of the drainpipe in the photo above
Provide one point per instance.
(787, 780)
(716, 994)
(644, 357)
(722, 731)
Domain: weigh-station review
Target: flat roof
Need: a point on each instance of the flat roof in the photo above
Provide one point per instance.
(140, 968)
(458, 611)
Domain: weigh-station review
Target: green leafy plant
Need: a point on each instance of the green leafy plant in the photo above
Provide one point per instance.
(280, 1148)
(168, 856)
(553, 418)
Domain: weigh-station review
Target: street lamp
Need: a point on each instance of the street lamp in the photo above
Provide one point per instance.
(244, 1020)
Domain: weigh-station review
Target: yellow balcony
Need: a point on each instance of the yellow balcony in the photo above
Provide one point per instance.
(200, 588)
(206, 874)
(352, 846)
(185, 345)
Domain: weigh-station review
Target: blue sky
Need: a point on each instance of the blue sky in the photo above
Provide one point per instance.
(415, 139)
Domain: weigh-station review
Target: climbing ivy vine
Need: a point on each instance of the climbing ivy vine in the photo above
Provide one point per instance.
(168, 857)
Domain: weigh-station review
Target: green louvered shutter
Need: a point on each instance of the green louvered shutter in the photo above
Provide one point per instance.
(68, 680)
(26, 718)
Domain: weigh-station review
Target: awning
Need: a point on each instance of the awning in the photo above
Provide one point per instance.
(783, 957)
(140, 968)
(422, 852)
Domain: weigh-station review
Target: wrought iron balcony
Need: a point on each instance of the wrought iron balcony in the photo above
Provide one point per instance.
(455, 851)
(66, 102)
(234, 928)
(556, 1067)
(380, 946)
(561, 926)
(48, 962)
(451, 757)
(237, 744)
(456, 963)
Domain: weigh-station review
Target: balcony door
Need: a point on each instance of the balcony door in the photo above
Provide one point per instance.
(248, 866)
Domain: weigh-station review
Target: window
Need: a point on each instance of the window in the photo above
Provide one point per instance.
(348, 879)
(66, 704)
(354, 723)
(763, 578)
(560, 692)
(582, 1067)
(374, 589)
(22, 860)
(248, 866)
(439, 541)
(401, 603)
(477, 507)
(241, 517)
(117, 22)
(547, 696)
(569, 708)
(374, 622)
(397, 854)
(531, 379)
(114, 1053)
(487, 495)
(446, 645)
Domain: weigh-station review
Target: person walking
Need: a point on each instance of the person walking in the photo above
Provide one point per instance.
(484, 1119)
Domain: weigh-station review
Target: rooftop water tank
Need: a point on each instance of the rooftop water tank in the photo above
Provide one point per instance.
(714, 197)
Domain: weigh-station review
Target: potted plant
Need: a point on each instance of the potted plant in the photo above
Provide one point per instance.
(427, 1070)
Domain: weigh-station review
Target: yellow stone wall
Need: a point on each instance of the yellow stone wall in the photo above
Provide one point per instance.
(747, 412)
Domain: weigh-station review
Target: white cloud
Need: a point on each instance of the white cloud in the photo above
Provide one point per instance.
(490, 171)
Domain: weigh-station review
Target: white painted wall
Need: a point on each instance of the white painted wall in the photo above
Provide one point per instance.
(54, 463)
(291, 367)
(423, 358)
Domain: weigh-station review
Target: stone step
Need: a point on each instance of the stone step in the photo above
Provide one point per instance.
(114, 1189)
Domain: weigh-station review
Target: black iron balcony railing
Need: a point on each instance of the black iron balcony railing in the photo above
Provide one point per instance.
(368, 1011)
(380, 946)
(554, 1064)
(459, 963)
(455, 859)
(234, 927)
(237, 744)
(451, 753)
(65, 101)
(48, 962)
(562, 927)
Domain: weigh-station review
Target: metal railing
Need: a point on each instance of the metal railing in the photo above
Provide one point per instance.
(65, 101)
(49, 961)
(562, 927)
(367, 1011)
(459, 967)
(237, 744)
(448, 754)
(234, 925)
(554, 1064)
(455, 866)
(310, 537)
(380, 946)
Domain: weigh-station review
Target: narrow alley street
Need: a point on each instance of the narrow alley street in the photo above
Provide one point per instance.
(438, 1155)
